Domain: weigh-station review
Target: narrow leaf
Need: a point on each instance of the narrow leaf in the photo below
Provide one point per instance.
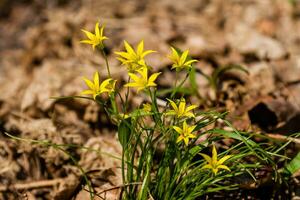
(124, 131)
(294, 165)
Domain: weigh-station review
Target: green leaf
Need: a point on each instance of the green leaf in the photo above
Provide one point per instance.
(233, 135)
(294, 165)
(221, 70)
(71, 97)
(124, 132)
(209, 118)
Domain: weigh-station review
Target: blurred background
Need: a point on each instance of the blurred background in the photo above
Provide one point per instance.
(41, 57)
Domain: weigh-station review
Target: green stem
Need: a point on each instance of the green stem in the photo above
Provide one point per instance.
(156, 115)
(176, 77)
(179, 86)
(126, 96)
(113, 103)
(106, 62)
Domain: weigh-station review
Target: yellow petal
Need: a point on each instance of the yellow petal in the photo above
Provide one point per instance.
(206, 157)
(101, 32)
(147, 52)
(186, 140)
(144, 73)
(128, 48)
(103, 37)
(190, 62)
(134, 77)
(89, 83)
(188, 114)
(215, 170)
(190, 135)
(97, 32)
(207, 166)
(124, 55)
(104, 84)
(96, 81)
(177, 129)
(174, 106)
(140, 48)
(153, 77)
(222, 160)
(87, 41)
(90, 35)
(175, 66)
(214, 155)
(151, 84)
(223, 167)
(179, 138)
(87, 92)
(191, 129)
(183, 57)
(181, 108)
(174, 55)
(132, 85)
(189, 108)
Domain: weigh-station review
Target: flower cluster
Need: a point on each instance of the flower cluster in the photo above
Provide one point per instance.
(139, 78)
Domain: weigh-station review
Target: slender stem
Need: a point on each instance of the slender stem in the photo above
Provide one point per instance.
(179, 86)
(106, 62)
(176, 77)
(127, 95)
(113, 103)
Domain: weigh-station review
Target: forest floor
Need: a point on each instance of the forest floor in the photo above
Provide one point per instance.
(41, 57)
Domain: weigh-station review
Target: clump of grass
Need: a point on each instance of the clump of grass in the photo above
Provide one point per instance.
(169, 151)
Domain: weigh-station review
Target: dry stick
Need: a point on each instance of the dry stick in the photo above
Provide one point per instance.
(119, 186)
(32, 185)
(94, 194)
(114, 188)
(282, 137)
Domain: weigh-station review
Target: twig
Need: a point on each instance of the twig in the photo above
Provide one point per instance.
(31, 185)
(94, 194)
(282, 137)
(119, 186)
(114, 188)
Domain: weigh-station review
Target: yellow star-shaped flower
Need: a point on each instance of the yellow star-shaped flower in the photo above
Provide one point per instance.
(180, 61)
(134, 60)
(181, 110)
(95, 88)
(213, 163)
(142, 82)
(185, 133)
(95, 39)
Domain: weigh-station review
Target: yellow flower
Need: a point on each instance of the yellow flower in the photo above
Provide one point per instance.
(95, 39)
(95, 88)
(213, 163)
(134, 60)
(147, 107)
(180, 61)
(123, 116)
(185, 133)
(181, 111)
(141, 82)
